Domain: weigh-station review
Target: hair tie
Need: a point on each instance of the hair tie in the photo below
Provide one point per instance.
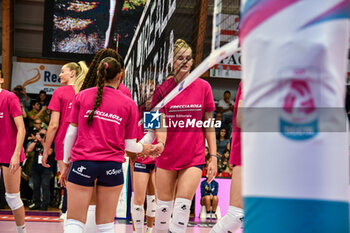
(106, 64)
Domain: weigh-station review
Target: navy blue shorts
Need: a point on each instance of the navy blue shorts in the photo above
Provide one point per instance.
(146, 168)
(8, 165)
(85, 173)
(201, 166)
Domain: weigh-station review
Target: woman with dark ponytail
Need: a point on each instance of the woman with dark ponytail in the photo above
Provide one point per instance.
(91, 80)
(103, 125)
(91, 76)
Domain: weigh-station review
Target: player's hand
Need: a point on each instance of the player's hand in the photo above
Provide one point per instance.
(45, 157)
(64, 175)
(212, 168)
(14, 164)
(132, 156)
(147, 149)
(157, 150)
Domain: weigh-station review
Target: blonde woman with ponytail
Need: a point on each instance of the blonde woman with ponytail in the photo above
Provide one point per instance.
(179, 167)
(60, 106)
(103, 125)
(72, 76)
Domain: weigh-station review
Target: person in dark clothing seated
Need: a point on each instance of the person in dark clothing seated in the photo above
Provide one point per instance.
(209, 193)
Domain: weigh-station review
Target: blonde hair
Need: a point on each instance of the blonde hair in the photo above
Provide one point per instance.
(81, 70)
(181, 44)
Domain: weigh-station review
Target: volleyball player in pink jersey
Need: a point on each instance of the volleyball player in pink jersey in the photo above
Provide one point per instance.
(232, 221)
(143, 175)
(72, 76)
(60, 105)
(143, 181)
(91, 81)
(12, 154)
(179, 167)
(103, 124)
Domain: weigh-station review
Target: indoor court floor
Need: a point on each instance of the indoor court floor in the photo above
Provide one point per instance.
(120, 227)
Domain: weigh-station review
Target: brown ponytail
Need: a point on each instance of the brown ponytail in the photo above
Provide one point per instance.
(91, 76)
(108, 69)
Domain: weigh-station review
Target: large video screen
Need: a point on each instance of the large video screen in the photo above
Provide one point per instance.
(79, 29)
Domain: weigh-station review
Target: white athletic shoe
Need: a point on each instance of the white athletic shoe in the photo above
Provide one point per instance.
(213, 216)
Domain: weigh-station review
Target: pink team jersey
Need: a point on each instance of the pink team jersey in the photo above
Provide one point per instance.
(61, 102)
(9, 109)
(124, 90)
(185, 144)
(114, 121)
(146, 160)
(235, 156)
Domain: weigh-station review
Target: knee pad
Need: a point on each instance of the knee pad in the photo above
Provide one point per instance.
(138, 215)
(164, 210)
(73, 225)
(105, 228)
(14, 200)
(181, 214)
(231, 222)
(151, 206)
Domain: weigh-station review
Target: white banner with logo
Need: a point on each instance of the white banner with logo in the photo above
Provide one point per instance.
(36, 77)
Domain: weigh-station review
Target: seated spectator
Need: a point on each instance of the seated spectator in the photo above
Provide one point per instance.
(222, 142)
(42, 99)
(41, 175)
(25, 115)
(21, 93)
(209, 193)
(225, 107)
(224, 166)
(218, 117)
(36, 112)
(47, 119)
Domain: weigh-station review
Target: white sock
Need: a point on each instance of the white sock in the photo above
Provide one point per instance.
(231, 222)
(181, 214)
(132, 201)
(105, 228)
(21, 229)
(90, 225)
(149, 229)
(74, 226)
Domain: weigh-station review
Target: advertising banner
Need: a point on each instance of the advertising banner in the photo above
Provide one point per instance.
(36, 77)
